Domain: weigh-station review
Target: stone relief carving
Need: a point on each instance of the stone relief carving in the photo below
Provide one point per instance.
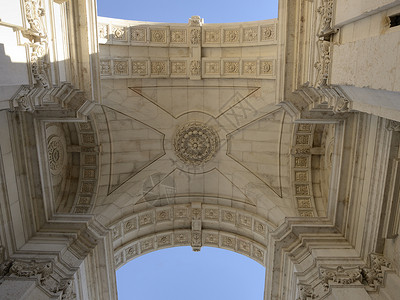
(56, 154)
(139, 67)
(370, 275)
(196, 21)
(268, 32)
(178, 36)
(339, 275)
(105, 67)
(392, 125)
(250, 34)
(231, 67)
(119, 33)
(37, 35)
(158, 36)
(196, 143)
(159, 67)
(138, 34)
(195, 68)
(178, 67)
(305, 292)
(231, 35)
(121, 67)
(195, 36)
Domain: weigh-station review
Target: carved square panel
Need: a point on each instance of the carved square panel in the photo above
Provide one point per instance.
(121, 67)
(89, 173)
(211, 214)
(302, 189)
(159, 68)
(228, 216)
(105, 67)
(178, 68)
(249, 67)
(258, 254)
(303, 139)
(301, 176)
(131, 251)
(306, 213)
(103, 31)
(301, 162)
(181, 238)
(231, 67)
(304, 128)
(181, 212)
(212, 68)
(304, 202)
(266, 67)
(210, 239)
(139, 67)
(244, 247)
(90, 159)
(250, 34)
(85, 126)
(163, 215)
(147, 245)
(232, 35)
(178, 36)
(119, 33)
(116, 232)
(164, 240)
(84, 200)
(88, 138)
(228, 242)
(268, 32)
(212, 36)
(87, 187)
(138, 34)
(146, 219)
(130, 225)
(245, 221)
(260, 227)
(158, 36)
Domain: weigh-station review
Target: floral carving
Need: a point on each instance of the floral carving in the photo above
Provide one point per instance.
(195, 36)
(105, 67)
(195, 67)
(178, 67)
(138, 34)
(158, 67)
(119, 33)
(268, 33)
(139, 67)
(323, 63)
(39, 65)
(250, 34)
(231, 67)
(56, 153)
(34, 13)
(265, 67)
(213, 67)
(231, 36)
(249, 67)
(103, 31)
(120, 67)
(196, 143)
(178, 36)
(158, 36)
(213, 36)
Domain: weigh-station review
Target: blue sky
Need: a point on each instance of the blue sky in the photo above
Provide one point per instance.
(181, 274)
(179, 11)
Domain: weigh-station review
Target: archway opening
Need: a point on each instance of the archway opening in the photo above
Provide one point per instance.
(179, 273)
(178, 11)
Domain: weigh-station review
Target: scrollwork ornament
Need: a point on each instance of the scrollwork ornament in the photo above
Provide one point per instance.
(339, 275)
(34, 13)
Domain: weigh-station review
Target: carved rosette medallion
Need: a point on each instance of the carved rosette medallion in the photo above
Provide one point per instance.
(196, 143)
(55, 151)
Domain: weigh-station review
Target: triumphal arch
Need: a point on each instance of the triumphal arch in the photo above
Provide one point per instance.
(276, 139)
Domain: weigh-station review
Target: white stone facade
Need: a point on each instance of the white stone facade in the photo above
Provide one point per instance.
(277, 139)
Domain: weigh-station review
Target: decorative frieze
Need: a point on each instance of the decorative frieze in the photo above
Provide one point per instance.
(178, 36)
(138, 34)
(232, 35)
(158, 36)
(119, 33)
(121, 67)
